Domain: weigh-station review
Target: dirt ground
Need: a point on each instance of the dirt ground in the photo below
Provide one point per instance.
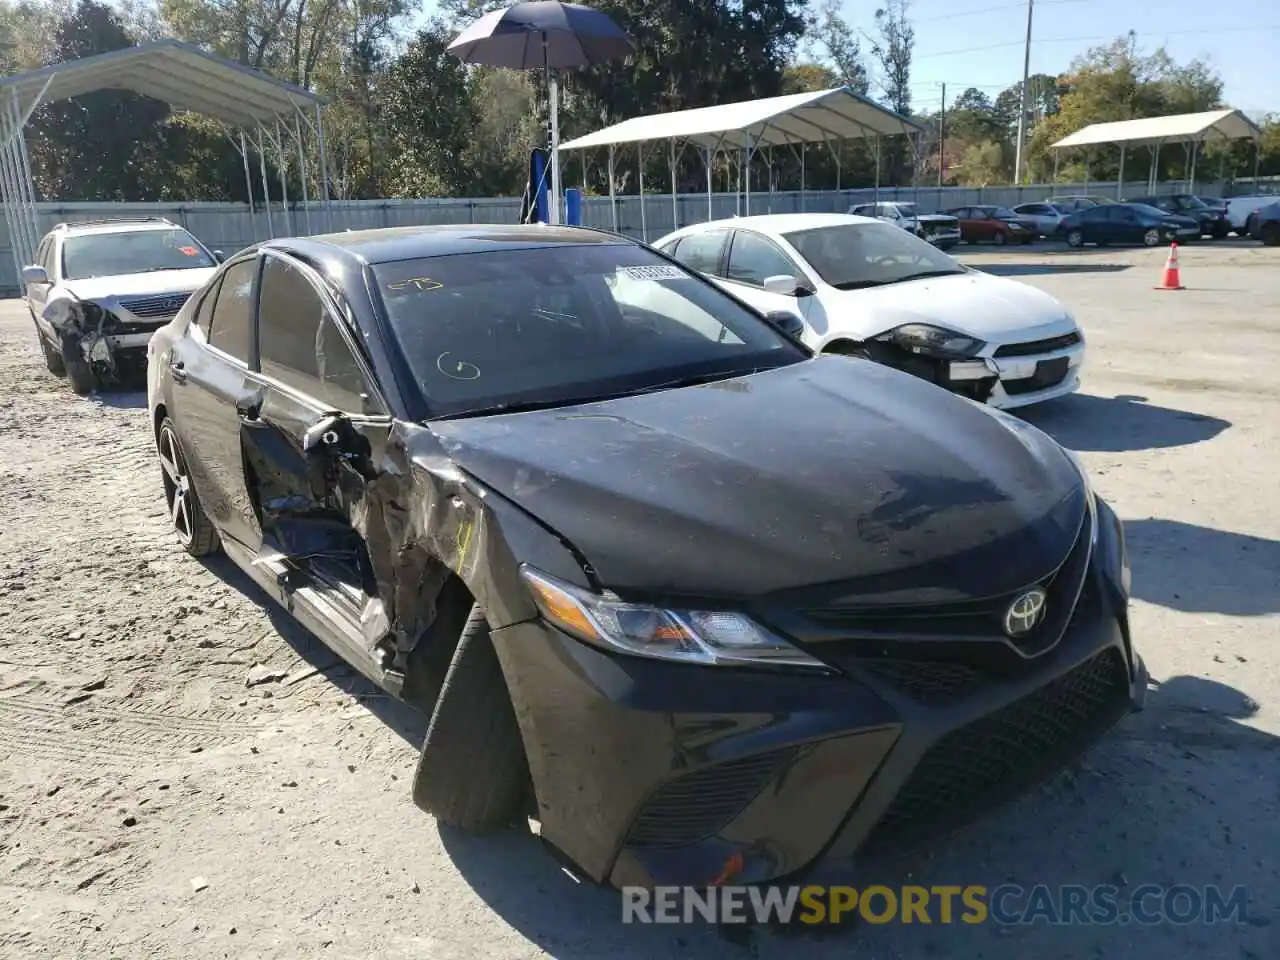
(153, 803)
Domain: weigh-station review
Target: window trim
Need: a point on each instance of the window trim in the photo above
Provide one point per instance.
(798, 271)
(342, 321)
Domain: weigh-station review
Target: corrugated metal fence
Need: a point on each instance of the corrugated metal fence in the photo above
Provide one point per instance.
(230, 226)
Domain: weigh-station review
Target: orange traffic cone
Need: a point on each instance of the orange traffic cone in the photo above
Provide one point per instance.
(1171, 279)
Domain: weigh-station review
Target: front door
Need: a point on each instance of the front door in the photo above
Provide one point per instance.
(212, 393)
(38, 293)
(308, 494)
(752, 260)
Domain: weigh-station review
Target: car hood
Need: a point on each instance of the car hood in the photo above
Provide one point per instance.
(830, 471)
(942, 218)
(125, 286)
(976, 304)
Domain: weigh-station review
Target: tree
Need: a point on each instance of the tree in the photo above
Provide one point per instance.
(830, 33)
(893, 49)
(95, 146)
(425, 101)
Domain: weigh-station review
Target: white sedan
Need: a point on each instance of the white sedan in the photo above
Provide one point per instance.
(866, 288)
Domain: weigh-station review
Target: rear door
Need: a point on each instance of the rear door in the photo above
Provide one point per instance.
(209, 391)
(310, 370)
(1123, 225)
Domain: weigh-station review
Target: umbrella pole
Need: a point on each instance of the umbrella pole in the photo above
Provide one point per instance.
(553, 97)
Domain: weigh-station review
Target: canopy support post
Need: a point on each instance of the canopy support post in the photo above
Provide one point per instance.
(324, 171)
(1120, 184)
(644, 227)
(302, 175)
(877, 168)
(266, 184)
(7, 192)
(675, 199)
(283, 169)
(802, 203)
(710, 158)
(25, 184)
(613, 200)
(254, 219)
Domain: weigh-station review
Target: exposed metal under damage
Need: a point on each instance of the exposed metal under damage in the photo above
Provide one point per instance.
(265, 117)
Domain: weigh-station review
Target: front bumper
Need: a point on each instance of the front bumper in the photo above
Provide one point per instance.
(1009, 382)
(942, 236)
(651, 773)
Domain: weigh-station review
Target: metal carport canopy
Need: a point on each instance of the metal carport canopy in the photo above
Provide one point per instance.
(823, 115)
(1178, 128)
(182, 75)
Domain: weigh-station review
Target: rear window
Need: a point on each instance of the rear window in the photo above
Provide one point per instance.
(564, 324)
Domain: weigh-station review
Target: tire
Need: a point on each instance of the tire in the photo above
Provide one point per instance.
(1075, 239)
(196, 532)
(999, 239)
(52, 358)
(1151, 238)
(79, 371)
(473, 774)
(1269, 234)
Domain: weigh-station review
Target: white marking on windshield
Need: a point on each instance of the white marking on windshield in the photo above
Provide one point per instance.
(656, 272)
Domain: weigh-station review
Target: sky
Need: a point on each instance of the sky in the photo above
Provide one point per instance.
(980, 43)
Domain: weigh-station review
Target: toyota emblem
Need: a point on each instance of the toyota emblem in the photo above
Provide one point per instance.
(1025, 613)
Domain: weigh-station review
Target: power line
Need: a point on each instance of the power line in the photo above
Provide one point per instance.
(1004, 6)
(1109, 36)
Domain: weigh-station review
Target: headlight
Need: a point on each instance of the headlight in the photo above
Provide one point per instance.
(689, 636)
(930, 341)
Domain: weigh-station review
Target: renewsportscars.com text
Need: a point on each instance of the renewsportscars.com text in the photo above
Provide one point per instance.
(941, 904)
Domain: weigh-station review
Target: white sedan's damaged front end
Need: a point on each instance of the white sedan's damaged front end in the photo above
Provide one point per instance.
(1022, 372)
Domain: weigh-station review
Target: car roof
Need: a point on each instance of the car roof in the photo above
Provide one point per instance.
(779, 223)
(114, 226)
(389, 244)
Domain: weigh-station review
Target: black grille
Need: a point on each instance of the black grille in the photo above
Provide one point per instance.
(1032, 347)
(1049, 373)
(164, 305)
(928, 681)
(696, 806)
(975, 768)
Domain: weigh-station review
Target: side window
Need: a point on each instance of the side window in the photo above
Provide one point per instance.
(231, 326)
(752, 259)
(670, 248)
(42, 256)
(701, 251)
(300, 345)
(1120, 214)
(204, 309)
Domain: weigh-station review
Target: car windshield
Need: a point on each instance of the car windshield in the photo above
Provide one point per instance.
(120, 252)
(1004, 213)
(905, 209)
(510, 329)
(1192, 203)
(856, 255)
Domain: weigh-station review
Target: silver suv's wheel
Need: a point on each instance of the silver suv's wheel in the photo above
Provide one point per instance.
(195, 531)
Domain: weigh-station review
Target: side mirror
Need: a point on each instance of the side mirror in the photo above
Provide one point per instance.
(787, 322)
(35, 275)
(219, 256)
(787, 285)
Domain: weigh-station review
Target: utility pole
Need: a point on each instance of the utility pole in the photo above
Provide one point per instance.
(942, 136)
(1022, 106)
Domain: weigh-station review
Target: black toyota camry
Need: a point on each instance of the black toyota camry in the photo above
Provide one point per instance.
(706, 606)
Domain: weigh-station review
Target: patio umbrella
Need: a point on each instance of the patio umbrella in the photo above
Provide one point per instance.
(549, 35)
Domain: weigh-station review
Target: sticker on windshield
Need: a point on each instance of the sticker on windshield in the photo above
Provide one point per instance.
(189, 251)
(661, 272)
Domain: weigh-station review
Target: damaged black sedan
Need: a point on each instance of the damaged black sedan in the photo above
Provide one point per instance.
(705, 605)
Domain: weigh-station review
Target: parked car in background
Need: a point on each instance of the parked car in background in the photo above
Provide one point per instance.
(1128, 223)
(1264, 225)
(1239, 208)
(1045, 216)
(866, 289)
(1076, 204)
(939, 229)
(100, 288)
(1213, 222)
(1213, 203)
(991, 224)
(659, 577)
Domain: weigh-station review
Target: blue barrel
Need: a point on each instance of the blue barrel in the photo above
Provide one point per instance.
(573, 207)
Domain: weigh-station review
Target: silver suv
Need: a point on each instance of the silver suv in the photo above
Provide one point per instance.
(100, 288)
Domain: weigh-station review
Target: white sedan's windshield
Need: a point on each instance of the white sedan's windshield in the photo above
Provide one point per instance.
(855, 255)
(121, 252)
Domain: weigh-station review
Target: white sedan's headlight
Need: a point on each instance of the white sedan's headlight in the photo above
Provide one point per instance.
(690, 636)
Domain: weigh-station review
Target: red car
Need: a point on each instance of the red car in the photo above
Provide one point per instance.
(998, 225)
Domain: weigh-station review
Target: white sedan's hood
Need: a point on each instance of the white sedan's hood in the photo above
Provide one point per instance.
(978, 304)
(98, 289)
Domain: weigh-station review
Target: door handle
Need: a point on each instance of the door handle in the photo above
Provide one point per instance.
(178, 371)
